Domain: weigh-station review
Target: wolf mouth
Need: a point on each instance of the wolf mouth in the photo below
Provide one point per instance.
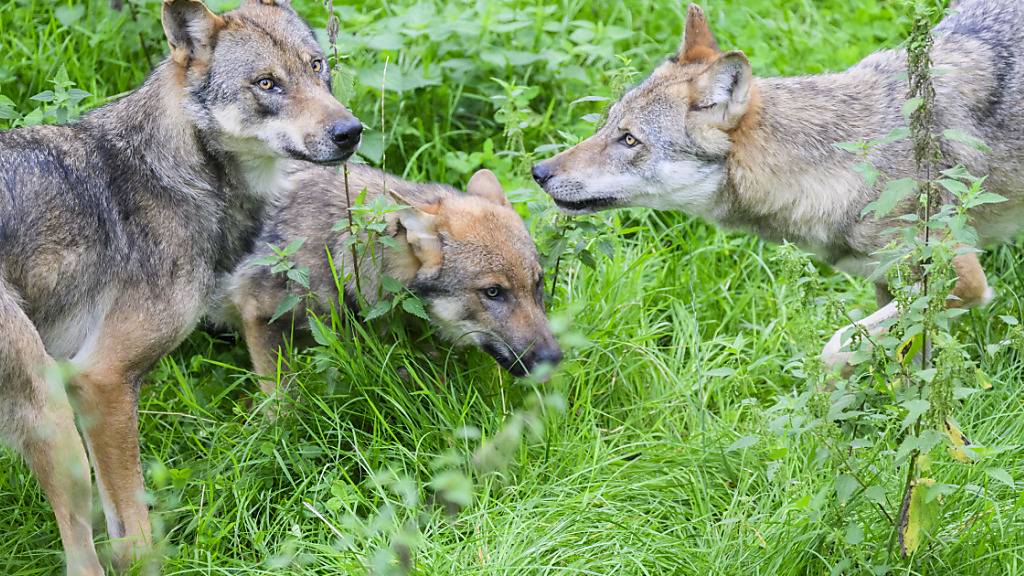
(590, 204)
(503, 358)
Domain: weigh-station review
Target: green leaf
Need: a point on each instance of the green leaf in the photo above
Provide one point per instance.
(379, 309)
(875, 494)
(965, 138)
(293, 247)
(895, 191)
(743, 443)
(1001, 475)
(391, 285)
(911, 106)
(300, 276)
(854, 534)
(915, 408)
(286, 306)
(846, 485)
(69, 15)
(414, 306)
(918, 519)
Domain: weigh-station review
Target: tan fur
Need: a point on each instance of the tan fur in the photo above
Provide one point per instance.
(760, 154)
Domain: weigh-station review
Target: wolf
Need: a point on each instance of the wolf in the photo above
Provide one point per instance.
(702, 135)
(113, 231)
(468, 256)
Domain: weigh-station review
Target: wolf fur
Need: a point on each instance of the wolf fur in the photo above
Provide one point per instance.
(468, 256)
(704, 136)
(113, 230)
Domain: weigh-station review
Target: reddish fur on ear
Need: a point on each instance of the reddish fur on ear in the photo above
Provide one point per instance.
(190, 28)
(699, 43)
(486, 185)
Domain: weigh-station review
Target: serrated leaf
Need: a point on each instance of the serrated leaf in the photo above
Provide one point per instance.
(915, 408)
(287, 304)
(293, 246)
(391, 285)
(1010, 320)
(379, 309)
(895, 191)
(300, 276)
(1001, 475)
(414, 306)
(965, 138)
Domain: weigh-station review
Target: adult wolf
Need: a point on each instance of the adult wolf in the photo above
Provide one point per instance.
(468, 256)
(702, 135)
(112, 232)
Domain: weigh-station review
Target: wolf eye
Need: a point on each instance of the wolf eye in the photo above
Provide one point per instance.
(266, 84)
(629, 140)
(493, 292)
(318, 65)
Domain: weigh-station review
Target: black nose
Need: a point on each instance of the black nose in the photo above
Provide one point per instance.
(346, 133)
(546, 355)
(541, 173)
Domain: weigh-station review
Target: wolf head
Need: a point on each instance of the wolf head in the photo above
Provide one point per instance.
(479, 274)
(666, 142)
(258, 84)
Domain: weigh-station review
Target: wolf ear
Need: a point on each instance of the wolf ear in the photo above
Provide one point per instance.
(698, 42)
(422, 234)
(724, 89)
(486, 185)
(191, 29)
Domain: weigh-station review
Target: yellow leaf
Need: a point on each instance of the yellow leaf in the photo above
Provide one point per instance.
(908, 350)
(958, 442)
(917, 517)
(984, 382)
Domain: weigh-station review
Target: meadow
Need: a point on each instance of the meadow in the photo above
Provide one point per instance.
(676, 438)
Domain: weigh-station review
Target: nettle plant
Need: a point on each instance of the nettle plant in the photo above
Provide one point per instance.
(897, 409)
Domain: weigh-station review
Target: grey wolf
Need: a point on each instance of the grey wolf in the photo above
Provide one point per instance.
(468, 256)
(113, 230)
(704, 136)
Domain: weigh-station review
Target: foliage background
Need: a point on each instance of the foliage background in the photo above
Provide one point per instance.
(669, 456)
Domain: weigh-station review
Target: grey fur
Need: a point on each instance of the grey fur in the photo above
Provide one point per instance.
(113, 230)
(475, 241)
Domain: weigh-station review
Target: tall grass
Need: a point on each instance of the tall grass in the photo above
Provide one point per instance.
(668, 456)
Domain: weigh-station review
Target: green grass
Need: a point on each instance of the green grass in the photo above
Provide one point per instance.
(692, 338)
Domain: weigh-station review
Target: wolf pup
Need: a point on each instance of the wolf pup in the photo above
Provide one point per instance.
(468, 256)
(113, 230)
(702, 135)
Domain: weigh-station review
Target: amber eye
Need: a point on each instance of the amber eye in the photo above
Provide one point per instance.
(266, 84)
(630, 141)
(318, 65)
(493, 292)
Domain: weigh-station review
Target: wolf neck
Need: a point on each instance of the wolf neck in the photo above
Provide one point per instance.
(221, 196)
(786, 178)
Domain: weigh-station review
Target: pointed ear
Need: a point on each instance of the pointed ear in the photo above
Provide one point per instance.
(698, 42)
(486, 185)
(423, 236)
(723, 90)
(191, 30)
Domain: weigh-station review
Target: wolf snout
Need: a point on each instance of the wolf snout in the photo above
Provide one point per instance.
(346, 134)
(542, 173)
(550, 354)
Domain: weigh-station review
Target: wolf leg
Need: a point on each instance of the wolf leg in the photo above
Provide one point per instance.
(37, 419)
(971, 290)
(109, 406)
